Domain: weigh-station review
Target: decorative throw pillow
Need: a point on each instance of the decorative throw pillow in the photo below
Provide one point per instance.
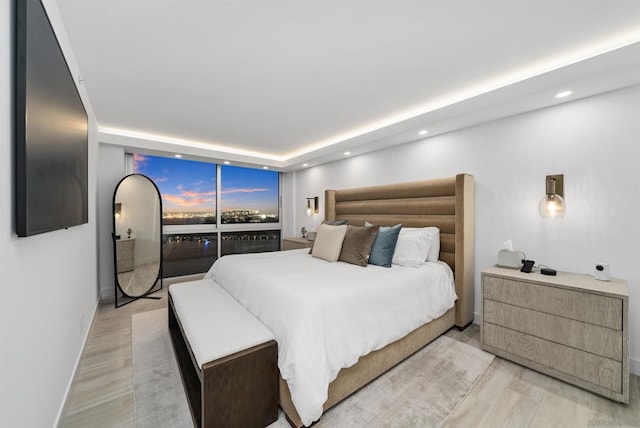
(383, 246)
(328, 222)
(433, 234)
(412, 249)
(357, 244)
(328, 242)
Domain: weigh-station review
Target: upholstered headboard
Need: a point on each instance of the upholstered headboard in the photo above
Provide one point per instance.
(446, 203)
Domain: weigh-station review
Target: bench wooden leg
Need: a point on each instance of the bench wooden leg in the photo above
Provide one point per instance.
(241, 390)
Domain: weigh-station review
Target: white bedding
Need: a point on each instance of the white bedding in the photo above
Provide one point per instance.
(325, 316)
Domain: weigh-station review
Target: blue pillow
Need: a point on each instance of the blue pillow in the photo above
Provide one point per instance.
(384, 245)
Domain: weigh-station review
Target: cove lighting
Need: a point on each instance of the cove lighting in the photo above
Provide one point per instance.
(563, 94)
(474, 89)
(483, 87)
(146, 136)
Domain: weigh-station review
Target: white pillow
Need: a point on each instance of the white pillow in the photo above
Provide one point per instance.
(328, 242)
(434, 248)
(433, 233)
(411, 249)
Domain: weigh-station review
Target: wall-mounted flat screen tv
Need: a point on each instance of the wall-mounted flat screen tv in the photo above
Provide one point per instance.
(51, 137)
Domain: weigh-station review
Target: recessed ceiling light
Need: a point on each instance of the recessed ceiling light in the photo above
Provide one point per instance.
(177, 156)
(305, 164)
(265, 167)
(226, 162)
(423, 132)
(347, 153)
(563, 94)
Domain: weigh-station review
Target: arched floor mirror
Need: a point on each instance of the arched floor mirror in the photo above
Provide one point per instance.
(137, 239)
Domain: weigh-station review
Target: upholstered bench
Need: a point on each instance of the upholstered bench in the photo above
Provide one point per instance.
(227, 358)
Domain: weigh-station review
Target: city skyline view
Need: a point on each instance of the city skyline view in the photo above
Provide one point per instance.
(188, 190)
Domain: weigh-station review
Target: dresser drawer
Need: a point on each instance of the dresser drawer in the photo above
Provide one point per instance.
(591, 308)
(576, 334)
(125, 244)
(588, 367)
(124, 255)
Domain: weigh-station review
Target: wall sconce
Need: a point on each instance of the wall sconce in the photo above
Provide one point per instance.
(118, 210)
(313, 207)
(552, 204)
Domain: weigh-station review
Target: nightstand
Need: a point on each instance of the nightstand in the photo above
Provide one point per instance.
(292, 243)
(570, 326)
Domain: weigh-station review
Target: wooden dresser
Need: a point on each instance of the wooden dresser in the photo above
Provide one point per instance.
(295, 243)
(569, 326)
(124, 254)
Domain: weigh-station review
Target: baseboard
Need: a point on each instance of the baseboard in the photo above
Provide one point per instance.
(477, 318)
(63, 406)
(107, 294)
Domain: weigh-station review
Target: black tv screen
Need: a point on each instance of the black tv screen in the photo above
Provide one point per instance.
(51, 137)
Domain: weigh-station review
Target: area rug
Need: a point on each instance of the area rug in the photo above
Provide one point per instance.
(422, 391)
(159, 399)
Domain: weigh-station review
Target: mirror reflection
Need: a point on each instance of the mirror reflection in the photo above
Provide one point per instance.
(137, 215)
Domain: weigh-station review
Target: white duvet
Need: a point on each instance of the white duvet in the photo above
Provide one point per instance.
(325, 315)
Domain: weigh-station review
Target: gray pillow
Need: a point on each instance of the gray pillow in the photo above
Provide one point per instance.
(357, 244)
(383, 246)
(335, 222)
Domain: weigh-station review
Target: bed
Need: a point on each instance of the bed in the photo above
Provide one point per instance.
(446, 203)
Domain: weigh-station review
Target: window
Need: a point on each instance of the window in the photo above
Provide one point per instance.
(195, 232)
(254, 241)
(185, 254)
(249, 195)
(188, 188)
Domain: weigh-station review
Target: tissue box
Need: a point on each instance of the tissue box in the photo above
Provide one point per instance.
(510, 259)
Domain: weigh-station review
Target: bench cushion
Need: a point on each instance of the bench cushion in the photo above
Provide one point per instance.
(214, 323)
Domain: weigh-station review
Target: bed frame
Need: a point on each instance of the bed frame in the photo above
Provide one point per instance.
(447, 203)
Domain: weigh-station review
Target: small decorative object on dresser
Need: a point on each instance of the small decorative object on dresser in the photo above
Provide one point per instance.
(569, 326)
(292, 243)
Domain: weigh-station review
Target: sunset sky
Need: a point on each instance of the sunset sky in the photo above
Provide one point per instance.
(191, 186)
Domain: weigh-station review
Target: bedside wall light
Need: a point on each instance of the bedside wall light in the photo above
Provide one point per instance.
(552, 204)
(313, 205)
(118, 210)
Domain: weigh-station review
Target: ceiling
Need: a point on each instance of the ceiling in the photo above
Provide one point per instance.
(279, 83)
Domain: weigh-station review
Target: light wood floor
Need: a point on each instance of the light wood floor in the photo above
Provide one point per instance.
(507, 395)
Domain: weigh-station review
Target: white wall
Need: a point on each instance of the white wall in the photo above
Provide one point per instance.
(111, 169)
(47, 282)
(593, 142)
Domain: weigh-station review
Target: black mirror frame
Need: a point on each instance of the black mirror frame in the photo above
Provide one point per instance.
(126, 299)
